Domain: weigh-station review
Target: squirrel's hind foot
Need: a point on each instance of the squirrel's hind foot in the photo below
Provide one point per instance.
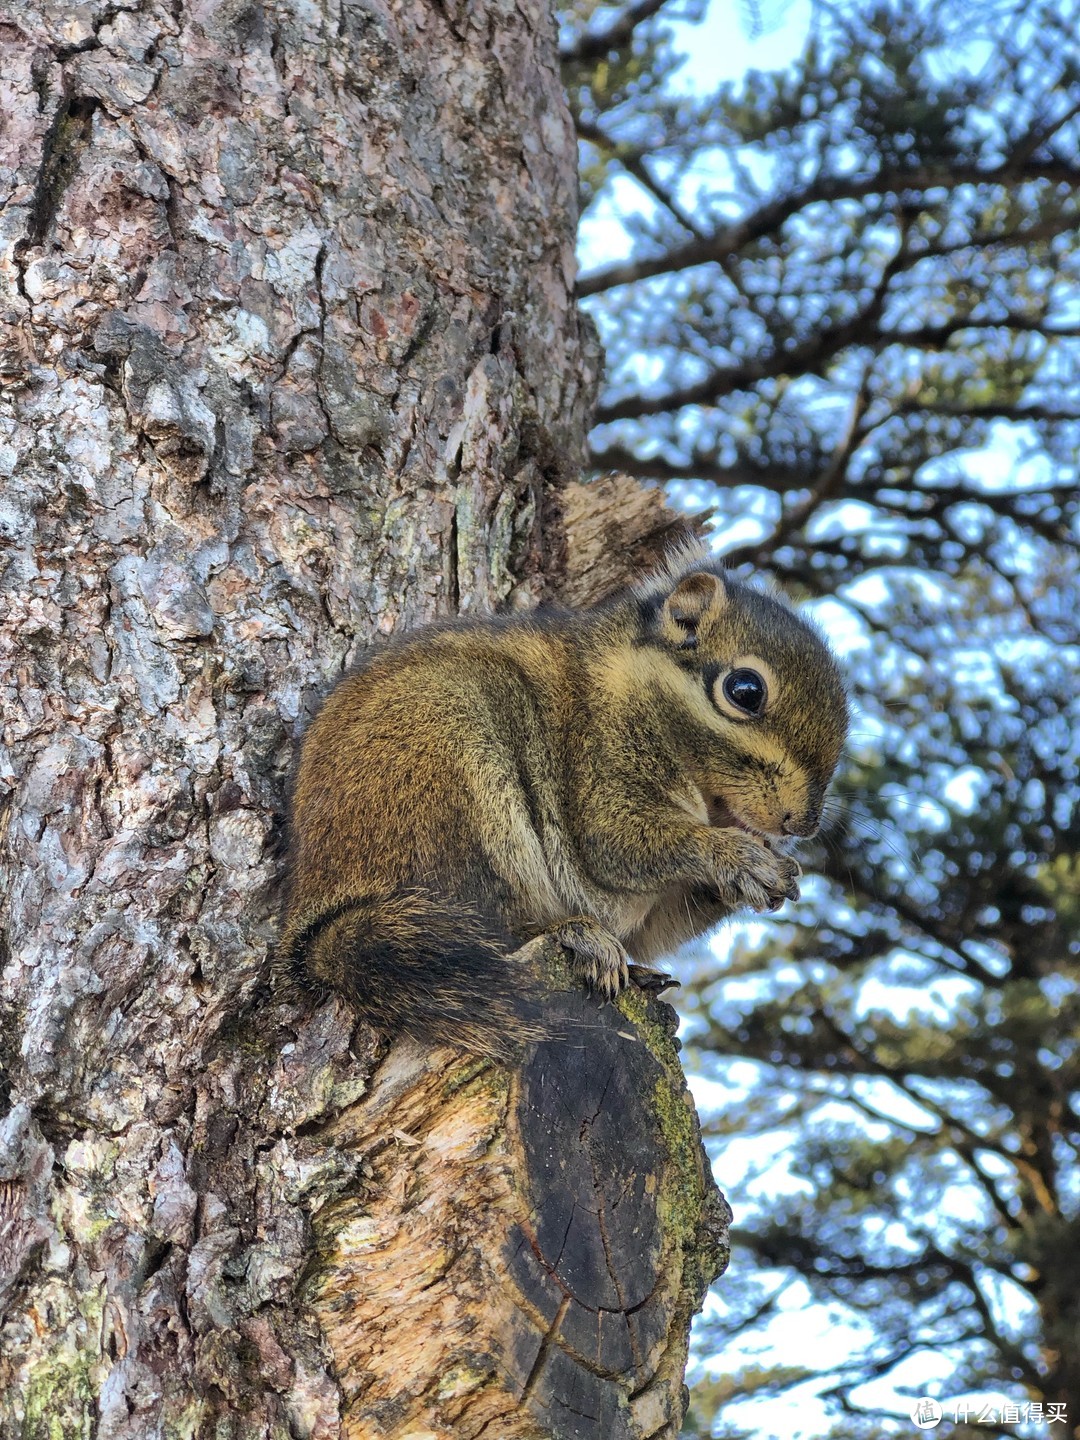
(594, 953)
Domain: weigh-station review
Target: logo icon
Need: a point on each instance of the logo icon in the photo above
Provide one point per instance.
(926, 1413)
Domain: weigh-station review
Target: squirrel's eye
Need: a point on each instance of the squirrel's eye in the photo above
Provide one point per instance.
(746, 690)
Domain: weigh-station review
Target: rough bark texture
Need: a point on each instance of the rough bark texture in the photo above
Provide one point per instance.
(289, 358)
(615, 527)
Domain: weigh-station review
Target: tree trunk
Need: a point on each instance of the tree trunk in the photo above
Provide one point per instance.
(289, 359)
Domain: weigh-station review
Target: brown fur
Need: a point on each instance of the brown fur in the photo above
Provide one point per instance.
(481, 783)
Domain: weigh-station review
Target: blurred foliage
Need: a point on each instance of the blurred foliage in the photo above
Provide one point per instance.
(844, 313)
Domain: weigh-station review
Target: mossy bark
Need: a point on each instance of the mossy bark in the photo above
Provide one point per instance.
(288, 360)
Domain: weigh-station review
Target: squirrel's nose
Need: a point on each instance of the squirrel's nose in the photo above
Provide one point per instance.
(803, 825)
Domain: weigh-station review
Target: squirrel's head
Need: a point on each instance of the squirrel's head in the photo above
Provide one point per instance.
(753, 698)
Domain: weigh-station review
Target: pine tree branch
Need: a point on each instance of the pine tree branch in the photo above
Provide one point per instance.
(1040, 1183)
(635, 166)
(940, 935)
(1013, 1356)
(817, 349)
(961, 1138)
(596, 44)
(656, 467)
(891, 185)
(1039, 133)
(995, 410)
(827, 485)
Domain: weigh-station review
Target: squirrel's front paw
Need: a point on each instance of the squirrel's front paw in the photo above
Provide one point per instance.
(751, 875)
(595, 954)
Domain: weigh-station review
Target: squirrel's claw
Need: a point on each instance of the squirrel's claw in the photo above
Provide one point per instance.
(653, 982)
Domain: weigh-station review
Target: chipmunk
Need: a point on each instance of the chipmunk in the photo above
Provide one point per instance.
(620, 778)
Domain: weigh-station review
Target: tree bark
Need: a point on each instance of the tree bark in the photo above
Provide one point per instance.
(289, 360)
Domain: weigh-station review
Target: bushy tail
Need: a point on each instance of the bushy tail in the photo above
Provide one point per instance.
(414, 961)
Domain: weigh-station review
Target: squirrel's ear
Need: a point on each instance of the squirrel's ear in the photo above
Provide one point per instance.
(695, 598)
